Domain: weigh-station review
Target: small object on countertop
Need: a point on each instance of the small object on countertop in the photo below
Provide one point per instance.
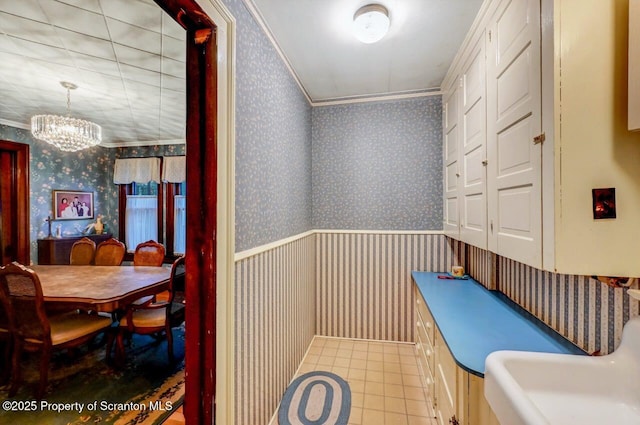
(457, 271)
(450, 276)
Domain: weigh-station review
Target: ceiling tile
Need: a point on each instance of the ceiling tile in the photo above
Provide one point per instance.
(27, 29)
(29, 9)
(86, 44)
(91, 5)
(137, 58)
(171, 28)
(173, 48)
(139, 13)
(136, 37)
(174, 68)
(94, 64)
(83, 21)
(140, 75)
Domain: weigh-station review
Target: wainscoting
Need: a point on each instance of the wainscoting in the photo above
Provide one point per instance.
(358, 285)
(364, 280)
(583, 310)
(274, 324)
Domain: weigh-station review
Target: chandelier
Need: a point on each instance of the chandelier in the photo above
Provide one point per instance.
(64, 132)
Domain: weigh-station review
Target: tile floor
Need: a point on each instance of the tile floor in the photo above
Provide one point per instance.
(386, 388)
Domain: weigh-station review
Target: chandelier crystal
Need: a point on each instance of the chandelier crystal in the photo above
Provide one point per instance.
(64, 132)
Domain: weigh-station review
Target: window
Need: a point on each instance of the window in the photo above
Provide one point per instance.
(141, 215)
(152, 211)
(180, 220)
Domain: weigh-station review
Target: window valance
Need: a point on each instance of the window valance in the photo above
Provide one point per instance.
(174, 169)
(138, 170)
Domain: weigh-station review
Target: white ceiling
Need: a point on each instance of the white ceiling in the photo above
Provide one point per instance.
(316, 37)
(127, 57)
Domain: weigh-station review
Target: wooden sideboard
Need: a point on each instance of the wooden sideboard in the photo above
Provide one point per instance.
(57, 250)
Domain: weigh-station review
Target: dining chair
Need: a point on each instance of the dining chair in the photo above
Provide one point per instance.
(82, 252)
(151, 319)
(149, 253)
(109, 253)
(32, 330)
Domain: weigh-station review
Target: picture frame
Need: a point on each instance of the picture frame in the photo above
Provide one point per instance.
(72, 205)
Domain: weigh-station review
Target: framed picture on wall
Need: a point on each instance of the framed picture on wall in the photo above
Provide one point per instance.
(72, 205)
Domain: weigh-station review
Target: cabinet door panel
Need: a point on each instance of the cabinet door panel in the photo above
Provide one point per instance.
(451, 161)
(514, 119)
(473, 227)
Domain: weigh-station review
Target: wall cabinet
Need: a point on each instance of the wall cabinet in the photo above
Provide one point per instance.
(456, 395)
(534, 106)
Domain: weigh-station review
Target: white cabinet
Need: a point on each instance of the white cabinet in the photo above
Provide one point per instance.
(553, 129)
(473, 148)
(455, 395)
(465, 150)
(514, 121)
(450, 155)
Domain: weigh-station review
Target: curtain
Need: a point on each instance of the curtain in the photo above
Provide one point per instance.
(141, 220)
(138, 170)
(180, 224)
(174, 169)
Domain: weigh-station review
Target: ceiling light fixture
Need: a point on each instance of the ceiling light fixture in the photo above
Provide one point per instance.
(371, 23)
(64, 132)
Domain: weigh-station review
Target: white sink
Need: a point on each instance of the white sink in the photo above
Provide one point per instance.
(525, 388)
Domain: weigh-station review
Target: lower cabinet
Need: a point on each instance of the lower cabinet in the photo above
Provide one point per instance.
(456, 396)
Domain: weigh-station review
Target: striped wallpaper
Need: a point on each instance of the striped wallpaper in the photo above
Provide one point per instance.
(584, 310)
(358, 285)
(274, 324)
(481, 265)
(363, 281)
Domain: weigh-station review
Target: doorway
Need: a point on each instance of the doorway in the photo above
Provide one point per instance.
(14, 202)
(210, 213)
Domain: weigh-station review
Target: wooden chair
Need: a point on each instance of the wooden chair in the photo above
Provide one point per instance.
(32, 330)
(149, 253)
(82, 252)
(109, 253)
(151, 319)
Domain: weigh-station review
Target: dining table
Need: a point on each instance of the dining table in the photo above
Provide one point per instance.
(99, 288)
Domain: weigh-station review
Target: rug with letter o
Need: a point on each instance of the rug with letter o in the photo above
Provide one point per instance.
(316, 398)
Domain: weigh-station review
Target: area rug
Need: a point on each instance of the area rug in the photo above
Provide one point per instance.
(85, 390)
(316, 398)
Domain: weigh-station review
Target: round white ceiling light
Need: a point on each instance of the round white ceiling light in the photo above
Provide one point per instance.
(371, 23)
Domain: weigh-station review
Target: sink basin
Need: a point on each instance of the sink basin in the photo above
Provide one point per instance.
(525, 388)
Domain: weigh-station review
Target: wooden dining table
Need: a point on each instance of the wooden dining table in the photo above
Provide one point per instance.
(99, 288)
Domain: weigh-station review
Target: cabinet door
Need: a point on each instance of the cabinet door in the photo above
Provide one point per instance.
(450, 125)
(514, 120)
(473, 118)
(445, 382)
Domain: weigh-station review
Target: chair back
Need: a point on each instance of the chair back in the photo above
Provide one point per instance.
(22, 300)
(109, 253)
(82, 252)
(179, 262)
(149, 253)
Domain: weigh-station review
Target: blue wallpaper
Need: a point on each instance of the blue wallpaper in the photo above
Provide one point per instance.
(273, 141)
(378, 166)
(89, 170)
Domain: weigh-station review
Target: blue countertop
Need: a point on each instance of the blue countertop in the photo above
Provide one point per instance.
(475, 322)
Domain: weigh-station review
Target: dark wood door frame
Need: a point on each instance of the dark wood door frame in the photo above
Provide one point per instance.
(18, 175)
(201, 153)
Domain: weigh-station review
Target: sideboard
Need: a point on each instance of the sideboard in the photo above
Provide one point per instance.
(57, 250)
